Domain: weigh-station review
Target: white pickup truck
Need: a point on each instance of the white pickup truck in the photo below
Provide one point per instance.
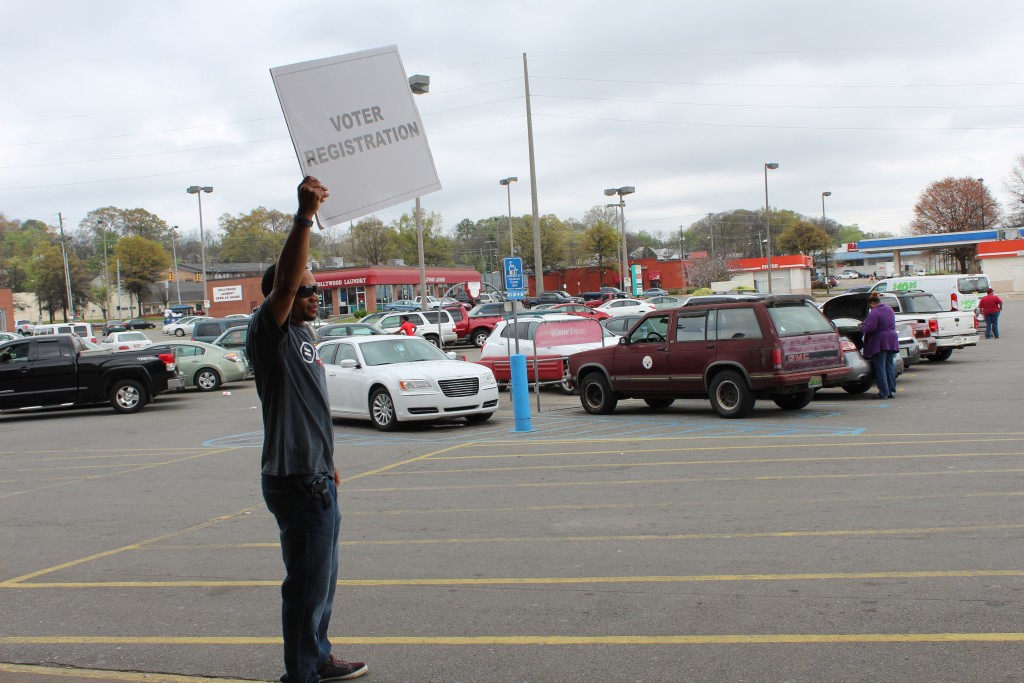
(950, 329)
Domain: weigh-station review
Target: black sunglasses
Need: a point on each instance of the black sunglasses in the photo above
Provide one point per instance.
(306, 291)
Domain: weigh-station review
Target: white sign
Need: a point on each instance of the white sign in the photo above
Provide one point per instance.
(355, 126)
(227, 293)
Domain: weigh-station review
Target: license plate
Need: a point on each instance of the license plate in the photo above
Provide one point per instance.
(904, 353)
(814, 382)
(958, 340)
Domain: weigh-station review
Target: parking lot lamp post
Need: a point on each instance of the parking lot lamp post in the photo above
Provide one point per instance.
(823, 195)
(198, 191)
(420, 85)
(981, 183)
(507, 182)
(106, 268)
(621, 192)
(767, 221)
(174, 255)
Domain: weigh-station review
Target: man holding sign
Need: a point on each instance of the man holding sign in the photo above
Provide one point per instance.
(299, 478)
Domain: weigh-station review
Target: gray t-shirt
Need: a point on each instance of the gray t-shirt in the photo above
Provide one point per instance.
(298, 436)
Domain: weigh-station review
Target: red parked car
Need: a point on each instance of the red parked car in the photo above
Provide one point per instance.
(581, 310)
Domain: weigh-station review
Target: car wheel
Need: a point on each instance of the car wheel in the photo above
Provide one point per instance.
(503, 386)
(382, 410)
(730, 395)
(127, 396)
(858, 387)
(659, 403)
(478, 418)
(207, 379)
(179, 332)
(596, 395)
(794, 401)
(479, 337)
(432, 338)
(940, 355)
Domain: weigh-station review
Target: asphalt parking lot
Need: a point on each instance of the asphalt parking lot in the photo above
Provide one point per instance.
(855, 540)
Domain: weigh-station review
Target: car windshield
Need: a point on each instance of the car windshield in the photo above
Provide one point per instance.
(970, 285)
(373, 318)
(921, 303)
(794, 319)
(411, 350)
(133, 336)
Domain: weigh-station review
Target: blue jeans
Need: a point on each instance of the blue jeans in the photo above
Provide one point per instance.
(992, 325)
(309, 544)
(884, 364)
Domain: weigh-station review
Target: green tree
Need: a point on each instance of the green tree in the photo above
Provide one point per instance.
(955, 205)
(804, 238)
(126, 222)
(372, 240)
(553, 242)
(600, 242)
(143, 262)
(48, 281)
(437, 249)
(253, 237)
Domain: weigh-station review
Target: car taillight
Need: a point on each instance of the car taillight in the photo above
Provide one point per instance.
(933, 325)
(123, 347)
(168, 359)
(777, 358)
(846, 345)
(953, 302)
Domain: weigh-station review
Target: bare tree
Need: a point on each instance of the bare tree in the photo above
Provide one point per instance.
(955, 205)
(372, 240)
(1015, 186)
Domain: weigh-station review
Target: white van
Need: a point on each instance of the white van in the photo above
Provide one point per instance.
(83, 330)
(954, 292)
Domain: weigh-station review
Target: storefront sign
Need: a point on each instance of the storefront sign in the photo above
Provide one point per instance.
(227, 293)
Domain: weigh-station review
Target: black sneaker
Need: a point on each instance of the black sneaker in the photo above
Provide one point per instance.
(335, 669)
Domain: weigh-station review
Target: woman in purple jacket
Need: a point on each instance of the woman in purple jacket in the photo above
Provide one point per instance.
(881, 344)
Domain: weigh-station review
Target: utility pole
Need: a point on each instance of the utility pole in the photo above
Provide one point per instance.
(67, 270)
(538, 265)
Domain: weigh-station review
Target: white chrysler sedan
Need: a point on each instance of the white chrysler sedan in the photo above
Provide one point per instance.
(392, 378)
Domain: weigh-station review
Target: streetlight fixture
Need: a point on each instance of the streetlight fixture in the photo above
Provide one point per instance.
(174, 254)
(198, 191)
(420, 85)
(507, 182)
(621, 192)
(823, 195)
(767, 221)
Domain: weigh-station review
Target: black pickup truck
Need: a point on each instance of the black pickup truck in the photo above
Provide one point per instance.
(604, 294)
(555, 296)
(55, 370)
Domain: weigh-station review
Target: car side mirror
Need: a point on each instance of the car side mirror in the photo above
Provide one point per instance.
(623, 341)
(348, 363)
(451, 355)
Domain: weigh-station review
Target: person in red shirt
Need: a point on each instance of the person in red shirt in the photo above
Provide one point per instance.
(406, 328)
(991, 306)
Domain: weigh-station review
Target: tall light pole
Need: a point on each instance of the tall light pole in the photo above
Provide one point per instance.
(767, 221)
(198, 191)
(420, 85)
(174, 254)
(106, 268)
(507, 182)
(621, 192)
(823, 195)
(981, 182)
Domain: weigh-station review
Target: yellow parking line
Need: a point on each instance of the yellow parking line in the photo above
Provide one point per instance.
(132, 546)
(686, 449)
(127, 469)
(737, 437)
(677, 463)
(678, 480)
(724, 639)
(545, 581)
(102, 675)
(425, 456)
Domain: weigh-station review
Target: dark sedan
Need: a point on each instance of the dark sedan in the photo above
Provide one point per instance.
(138, 324)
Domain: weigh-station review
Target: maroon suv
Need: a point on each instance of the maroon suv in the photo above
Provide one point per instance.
(780, 347)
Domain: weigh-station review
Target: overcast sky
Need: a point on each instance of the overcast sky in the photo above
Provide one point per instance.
(111, 103)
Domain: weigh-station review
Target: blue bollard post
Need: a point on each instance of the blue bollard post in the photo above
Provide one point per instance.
(520, 393)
